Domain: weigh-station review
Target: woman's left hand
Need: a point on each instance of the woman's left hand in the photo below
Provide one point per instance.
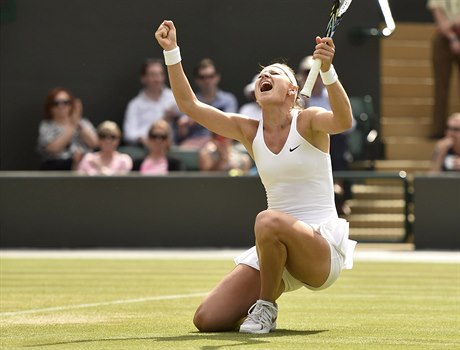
(77, 112)
(324, 50)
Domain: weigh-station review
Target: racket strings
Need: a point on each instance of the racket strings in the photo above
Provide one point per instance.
(334, 18)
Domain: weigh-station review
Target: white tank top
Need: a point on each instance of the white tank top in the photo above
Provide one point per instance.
(298, 180)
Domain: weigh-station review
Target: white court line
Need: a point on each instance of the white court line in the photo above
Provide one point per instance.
(365, 255)
(114, 302)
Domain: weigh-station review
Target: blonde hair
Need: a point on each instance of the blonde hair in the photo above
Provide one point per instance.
(109, 126)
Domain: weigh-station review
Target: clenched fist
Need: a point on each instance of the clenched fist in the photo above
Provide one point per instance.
(166, 35)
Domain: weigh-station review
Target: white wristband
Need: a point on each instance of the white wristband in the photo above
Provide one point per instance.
(172, 56)
(329, 77)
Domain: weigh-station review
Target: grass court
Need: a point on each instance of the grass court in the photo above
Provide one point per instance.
(148, 303)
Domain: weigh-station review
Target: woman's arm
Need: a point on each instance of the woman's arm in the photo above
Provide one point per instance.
(225, 124)
(340, 118)
(61, 141)
(87, 133)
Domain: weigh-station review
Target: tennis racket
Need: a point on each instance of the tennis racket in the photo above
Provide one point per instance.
(339, 7)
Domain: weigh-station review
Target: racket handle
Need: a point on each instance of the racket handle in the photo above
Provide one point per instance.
(311, 79)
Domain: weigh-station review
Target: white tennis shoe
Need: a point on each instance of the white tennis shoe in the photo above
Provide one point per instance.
(261, 318)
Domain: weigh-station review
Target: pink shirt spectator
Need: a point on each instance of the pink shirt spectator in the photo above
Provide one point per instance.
(93, 164)
(152, 166)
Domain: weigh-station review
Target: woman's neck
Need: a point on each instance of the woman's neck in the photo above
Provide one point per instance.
(155, 155)
(106, 155)
(60, 119)
(276, 118)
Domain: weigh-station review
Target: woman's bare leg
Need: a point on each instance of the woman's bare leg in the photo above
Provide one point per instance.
(229, 301)
(283, 241)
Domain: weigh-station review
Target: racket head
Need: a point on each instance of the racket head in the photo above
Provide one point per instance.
(339, 7)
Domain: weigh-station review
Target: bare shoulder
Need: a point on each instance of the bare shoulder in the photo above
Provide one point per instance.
(248, 128)
(306, 116)
(317, 138)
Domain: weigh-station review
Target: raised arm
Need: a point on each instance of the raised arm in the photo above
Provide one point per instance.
(225, 124)
(341, 117)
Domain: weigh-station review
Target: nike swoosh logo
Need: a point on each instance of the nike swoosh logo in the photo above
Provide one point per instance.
(293, 149)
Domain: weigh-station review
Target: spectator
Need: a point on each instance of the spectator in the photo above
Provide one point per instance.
(108, 161)
(251, 109)
(154, 102)
(220, 154)
(64, 135)
(159, 142)
(207, 79)
(446, 155)
(445, 54)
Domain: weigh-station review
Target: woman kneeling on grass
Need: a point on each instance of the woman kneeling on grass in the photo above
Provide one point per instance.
(300, 241)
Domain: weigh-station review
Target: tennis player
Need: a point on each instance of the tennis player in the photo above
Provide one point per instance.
(300, 241)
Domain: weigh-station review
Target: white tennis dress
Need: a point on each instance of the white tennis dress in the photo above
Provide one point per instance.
(298, 181)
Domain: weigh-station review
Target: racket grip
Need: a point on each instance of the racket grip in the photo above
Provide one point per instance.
(311, 79)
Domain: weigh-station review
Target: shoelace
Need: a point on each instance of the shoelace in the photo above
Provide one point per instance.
(259, 313)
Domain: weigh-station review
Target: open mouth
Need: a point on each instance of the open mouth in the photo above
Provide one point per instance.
(266, 86)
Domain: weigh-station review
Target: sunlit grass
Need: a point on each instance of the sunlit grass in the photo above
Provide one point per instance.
(373, 306)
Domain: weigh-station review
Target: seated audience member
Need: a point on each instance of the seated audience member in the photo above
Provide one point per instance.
(107, 161)
(446, 155)
(251, 109)
(158, 143)
(64, 135)
(154, 102)
(207, 79)
(220, 154)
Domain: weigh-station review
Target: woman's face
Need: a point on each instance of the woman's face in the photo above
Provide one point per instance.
(272, 85)
(62, 105)
(108, 141)
(158, 140)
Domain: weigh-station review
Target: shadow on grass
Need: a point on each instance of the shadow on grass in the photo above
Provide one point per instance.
(237, 338)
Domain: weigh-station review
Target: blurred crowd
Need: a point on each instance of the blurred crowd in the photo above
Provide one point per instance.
(154, 132)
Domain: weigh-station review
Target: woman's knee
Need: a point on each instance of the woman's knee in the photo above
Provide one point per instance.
(206, 321)
(201, 320)
(267, 223)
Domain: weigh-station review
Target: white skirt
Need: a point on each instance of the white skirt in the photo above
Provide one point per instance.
(336, 233)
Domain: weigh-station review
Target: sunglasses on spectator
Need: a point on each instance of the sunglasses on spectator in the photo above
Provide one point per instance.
(206, 76)
(453, 128)
(61, 102)
(161, 137)
(108, 137)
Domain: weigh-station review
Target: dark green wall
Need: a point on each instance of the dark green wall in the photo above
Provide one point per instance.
(437, 209)
(66, 211)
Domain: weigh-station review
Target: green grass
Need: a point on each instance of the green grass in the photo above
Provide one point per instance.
(373, 306)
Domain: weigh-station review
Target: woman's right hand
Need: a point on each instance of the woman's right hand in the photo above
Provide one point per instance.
(166, 35)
